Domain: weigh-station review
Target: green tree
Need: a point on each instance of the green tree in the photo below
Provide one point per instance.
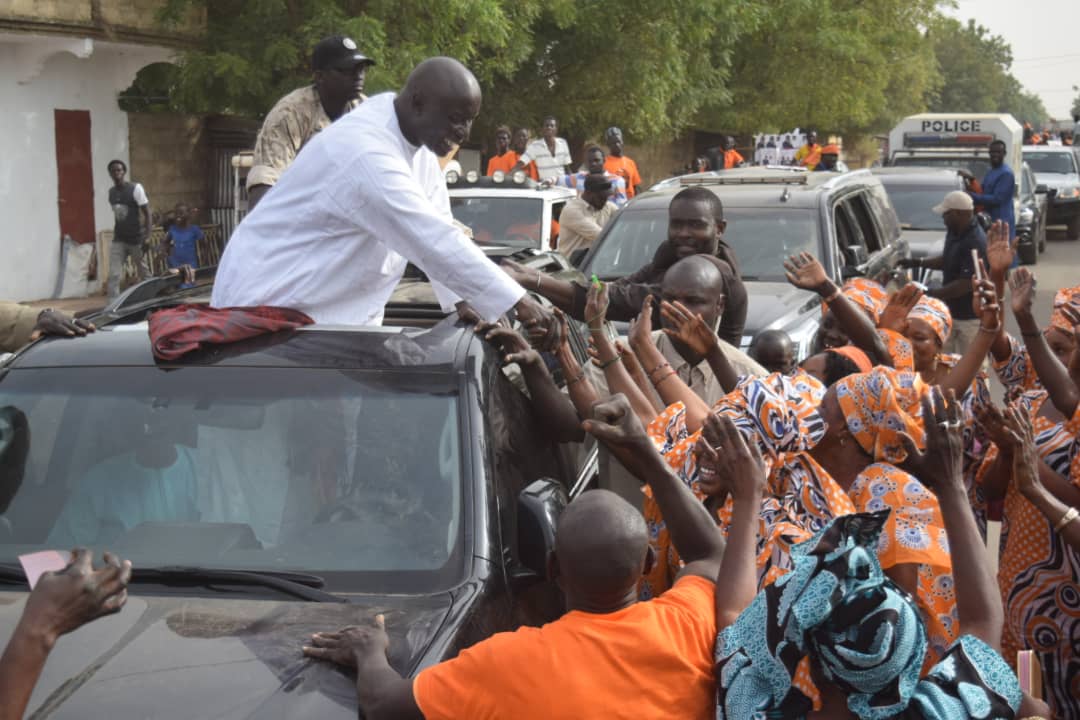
(974, 67)
(1026, 107)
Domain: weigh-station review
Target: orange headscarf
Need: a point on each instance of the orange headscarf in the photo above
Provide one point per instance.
(871, 296)
(934, 313)
(1065, 296)
(876, 416)
(855, 355)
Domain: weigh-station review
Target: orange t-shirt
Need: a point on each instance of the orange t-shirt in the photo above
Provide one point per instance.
(651, 660)
(625, 168)
(732, 158)
(504, 162)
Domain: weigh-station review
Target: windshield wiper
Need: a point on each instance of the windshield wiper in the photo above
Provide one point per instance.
(299, 585)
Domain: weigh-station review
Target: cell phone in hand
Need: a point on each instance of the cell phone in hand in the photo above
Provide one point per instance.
(978, 265)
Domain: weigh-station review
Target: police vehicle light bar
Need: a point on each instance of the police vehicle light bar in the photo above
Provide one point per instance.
(947, 139)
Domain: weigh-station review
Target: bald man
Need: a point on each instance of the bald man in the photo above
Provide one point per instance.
(364, 198)
(774, 351)
(610, 655)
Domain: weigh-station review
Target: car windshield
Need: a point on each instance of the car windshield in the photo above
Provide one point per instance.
(511, 221)
(348, 474)
(1061, 163)
(761, 237)
(914, 205)
(976, 166)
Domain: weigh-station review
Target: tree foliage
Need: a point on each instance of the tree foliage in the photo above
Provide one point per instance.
(653, 68)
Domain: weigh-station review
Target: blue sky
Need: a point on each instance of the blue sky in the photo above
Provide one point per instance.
(1043, 35)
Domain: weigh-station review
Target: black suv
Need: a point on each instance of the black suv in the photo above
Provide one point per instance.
(843, 219)
(267, 490)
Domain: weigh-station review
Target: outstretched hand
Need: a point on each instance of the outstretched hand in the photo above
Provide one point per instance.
(514, 347)
(641, 327)
(940, 466)
(351, 645)
(1022, 284)
(899, 306)
(727, 463)
(999, 252)
(992, 422)
(615, 424)
(805, 272)
(65, 600)
(1025, 457)
(688, 328)
(985, 303)
(596, 305)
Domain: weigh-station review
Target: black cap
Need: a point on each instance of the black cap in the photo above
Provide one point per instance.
(595, 182)
(336, 51)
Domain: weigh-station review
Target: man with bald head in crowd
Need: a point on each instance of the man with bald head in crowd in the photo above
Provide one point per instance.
(364, 198)
(609, 655)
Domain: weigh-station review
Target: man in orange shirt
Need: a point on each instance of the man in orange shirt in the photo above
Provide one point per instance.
(504, 158)
(610, 656)
(809, 154)
(732, 158)
(618, 164)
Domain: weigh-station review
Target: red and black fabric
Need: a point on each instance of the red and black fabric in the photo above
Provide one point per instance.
(183, 329)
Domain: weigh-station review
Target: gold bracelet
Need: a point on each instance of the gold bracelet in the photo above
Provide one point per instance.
(1070, 515)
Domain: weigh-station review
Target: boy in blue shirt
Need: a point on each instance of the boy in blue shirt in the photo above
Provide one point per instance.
(182, 240)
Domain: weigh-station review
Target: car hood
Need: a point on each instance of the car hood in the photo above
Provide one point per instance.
(1058, 180)
(775, 304)
(186, 657)
(924, 243)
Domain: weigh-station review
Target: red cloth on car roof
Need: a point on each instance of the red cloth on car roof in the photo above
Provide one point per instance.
(185, 328)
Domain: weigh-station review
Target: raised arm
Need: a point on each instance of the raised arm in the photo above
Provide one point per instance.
(963, 373)
(805, 272)
(693, 531)
(1054, 376)
(728, 465)
(940, 467)
(60, 603)
(691, 330)
(554, 409)
(618, 379)
(667, 382)
(1002, 195)
(1026, 470)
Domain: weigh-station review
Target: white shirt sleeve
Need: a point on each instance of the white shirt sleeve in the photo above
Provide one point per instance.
(409, 223)
(140, 195)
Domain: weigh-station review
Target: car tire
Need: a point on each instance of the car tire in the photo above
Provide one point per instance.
(1072, 228)
(1029, 254)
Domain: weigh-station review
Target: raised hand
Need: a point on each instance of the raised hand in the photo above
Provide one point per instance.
(940, 466)
(688, 328)
(1025, 457)
(65, 600)
(998, 251)
(1022, 284)
(350, 645)
(641, 326)
(992, 422)
(805, 272)
(894, 316)
(596, 305)
(726, 462)
(514, 347)
(615, 425)
(984, 300)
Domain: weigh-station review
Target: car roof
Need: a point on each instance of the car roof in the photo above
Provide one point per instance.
(552, 193)
(915, 175)
(443, 347)
(758, 187)
(1050, 148)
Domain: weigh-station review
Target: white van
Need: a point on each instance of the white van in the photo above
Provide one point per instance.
(956, 140)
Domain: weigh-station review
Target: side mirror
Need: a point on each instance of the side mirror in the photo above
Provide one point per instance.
(539, 506)
(577, 256)
(856, 255)
(1041, 189)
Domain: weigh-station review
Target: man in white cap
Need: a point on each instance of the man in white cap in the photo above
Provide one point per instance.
(957, 267)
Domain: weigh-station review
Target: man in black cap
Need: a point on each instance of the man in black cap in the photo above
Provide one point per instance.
(584, 217)
(337, 88)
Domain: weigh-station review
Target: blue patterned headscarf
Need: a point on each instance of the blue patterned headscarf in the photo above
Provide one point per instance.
(838, 606)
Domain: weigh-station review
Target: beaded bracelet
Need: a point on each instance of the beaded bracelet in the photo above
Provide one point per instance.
(656, 383)
(579, 378)
(609, 363)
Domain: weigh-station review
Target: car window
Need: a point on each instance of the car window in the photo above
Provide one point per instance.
(761, 238)
(915, 205)
(1062, 163)
(976, 166)
(885, 213)
(513, 221)
(847, 232)
(321, 471)
(1026, 186)
(865, 220)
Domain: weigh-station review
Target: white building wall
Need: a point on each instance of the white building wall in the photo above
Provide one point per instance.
(39, 74)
